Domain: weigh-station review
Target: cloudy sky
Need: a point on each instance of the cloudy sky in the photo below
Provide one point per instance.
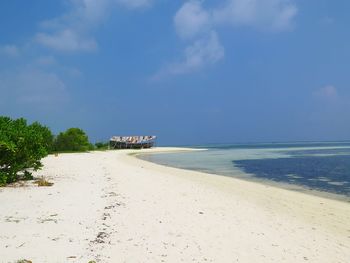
(190, 72)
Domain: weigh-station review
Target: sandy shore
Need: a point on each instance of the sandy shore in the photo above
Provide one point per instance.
(111, 207)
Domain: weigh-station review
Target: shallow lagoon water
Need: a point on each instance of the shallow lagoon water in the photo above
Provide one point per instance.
(315, 166)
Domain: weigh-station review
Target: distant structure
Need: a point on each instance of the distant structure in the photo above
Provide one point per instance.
(132, 142)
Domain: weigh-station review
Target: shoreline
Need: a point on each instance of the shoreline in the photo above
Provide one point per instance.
(113, 207)
(250, 177)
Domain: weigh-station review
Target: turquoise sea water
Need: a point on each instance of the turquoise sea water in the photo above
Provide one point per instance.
(316, 166)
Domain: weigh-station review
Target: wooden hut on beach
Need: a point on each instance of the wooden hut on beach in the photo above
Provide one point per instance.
(132, 142)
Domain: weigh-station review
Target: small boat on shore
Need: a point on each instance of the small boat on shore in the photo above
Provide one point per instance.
(132, 142)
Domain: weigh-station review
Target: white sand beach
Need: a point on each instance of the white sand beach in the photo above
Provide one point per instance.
(112, 207)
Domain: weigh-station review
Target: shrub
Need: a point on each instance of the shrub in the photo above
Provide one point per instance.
(22, 147)
(101, 145)
(43, 182)
(73, 139)
(48, 137)
(91, 147)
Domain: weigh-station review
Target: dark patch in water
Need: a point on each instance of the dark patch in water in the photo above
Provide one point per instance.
(325, 173)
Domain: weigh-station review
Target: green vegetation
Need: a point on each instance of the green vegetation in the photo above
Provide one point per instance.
(101, 145)
(21, 148)
(43, 182)
(72, 140)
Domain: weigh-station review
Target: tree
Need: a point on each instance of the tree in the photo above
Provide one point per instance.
(22, 146)
(73, 139)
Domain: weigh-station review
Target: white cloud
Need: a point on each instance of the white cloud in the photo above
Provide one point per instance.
(135, 3)
(74, 72)
(203, 52)
(46, 60)
(9, 50)
(207, 50)
(73, 31)
(271, 15)
(191, 19)
(91, 11)
(66, 40)
(194, 24)
(328, 93)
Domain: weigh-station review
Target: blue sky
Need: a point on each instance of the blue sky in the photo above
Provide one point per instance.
(190, 72)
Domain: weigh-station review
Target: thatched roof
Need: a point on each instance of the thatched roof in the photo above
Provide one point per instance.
(133, 139)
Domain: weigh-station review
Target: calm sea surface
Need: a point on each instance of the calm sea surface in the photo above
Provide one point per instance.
(316, 166)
